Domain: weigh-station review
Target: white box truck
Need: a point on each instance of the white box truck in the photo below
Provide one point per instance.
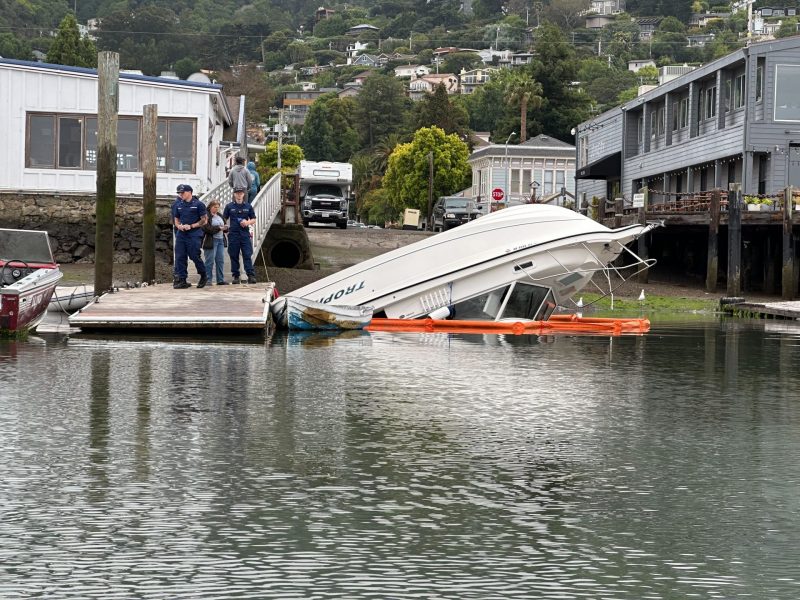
(325, 192)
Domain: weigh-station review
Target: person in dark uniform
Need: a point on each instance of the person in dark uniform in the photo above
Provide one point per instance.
(240, 215)
(188, 215)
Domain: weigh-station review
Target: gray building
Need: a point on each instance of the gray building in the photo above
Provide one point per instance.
(542, 165)
(736, 119)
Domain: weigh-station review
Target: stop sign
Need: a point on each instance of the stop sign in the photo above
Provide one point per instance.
(497, 194)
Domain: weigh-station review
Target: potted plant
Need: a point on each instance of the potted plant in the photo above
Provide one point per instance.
(753, 203)
(767, 204)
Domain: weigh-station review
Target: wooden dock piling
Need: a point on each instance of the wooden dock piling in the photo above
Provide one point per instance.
(712, 264)
(149, 153)
(734, 240)
(788, 285)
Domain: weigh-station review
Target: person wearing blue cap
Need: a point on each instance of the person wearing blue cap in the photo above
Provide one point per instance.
(240, 215)
(188, 215)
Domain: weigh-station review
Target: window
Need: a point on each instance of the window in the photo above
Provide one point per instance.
(514, 181)
(548, 183)
(760, 80)
(41, 141)
(560, 183)
(70, 142)
(708, 103)
(738, 92)
(584, 146)
(526, 182)
(787, 92)
(653, 125)
(640, 130)
(662, 121)
(683, 113)
(70, 139)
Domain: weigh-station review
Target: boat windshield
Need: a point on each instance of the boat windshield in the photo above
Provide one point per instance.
(515, 301)
(27, 246)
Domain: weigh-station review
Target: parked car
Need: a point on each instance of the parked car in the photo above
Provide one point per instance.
(452, 211)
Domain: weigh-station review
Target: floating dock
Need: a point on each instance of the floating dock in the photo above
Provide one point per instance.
(765, 310)
(237, 307)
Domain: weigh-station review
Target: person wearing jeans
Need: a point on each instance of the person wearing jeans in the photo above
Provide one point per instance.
(214, 243)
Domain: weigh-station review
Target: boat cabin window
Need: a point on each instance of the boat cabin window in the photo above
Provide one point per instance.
(27, 246)
(529, 302)
(515, 301)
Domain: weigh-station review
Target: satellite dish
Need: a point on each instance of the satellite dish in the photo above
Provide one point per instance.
(199, 78)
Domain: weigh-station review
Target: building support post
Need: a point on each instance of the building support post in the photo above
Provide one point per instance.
(712, 264)
(149, 151)
(787, 272)
(734, 240)
(106, 202)
(717, 174)
(641, 243)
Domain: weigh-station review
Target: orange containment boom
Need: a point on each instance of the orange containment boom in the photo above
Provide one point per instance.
(556, 324)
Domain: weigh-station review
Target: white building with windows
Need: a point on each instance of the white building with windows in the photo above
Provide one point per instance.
(513, 169)
(49, 120)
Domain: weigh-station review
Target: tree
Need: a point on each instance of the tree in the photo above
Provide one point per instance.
(69, 48)
(524, 91)
(317, 136)
(185, 67)
(555, 66)
(380, 108)
(329, 131)
(458, 61)
(407, 177)
(566, 13)
(437, 109)
(788, 28)
(13, 47)
(253, 84)
(378, 206)
(291, 155)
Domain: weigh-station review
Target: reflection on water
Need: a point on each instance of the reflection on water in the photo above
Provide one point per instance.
(403, 465)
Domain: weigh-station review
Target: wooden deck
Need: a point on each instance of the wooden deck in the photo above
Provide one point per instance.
(768, 310)
(239, 307)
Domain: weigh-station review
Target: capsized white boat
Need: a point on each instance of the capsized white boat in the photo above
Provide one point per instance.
(521, 262)
(71, 298)
(304, 314)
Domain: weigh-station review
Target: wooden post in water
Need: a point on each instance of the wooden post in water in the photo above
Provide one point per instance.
(734, 240)
(712, 262)
(787, 272)
(641, 243)
(149, 152)
(106, 202)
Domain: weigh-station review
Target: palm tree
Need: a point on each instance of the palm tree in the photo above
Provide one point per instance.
(526, 91)
(383, 150)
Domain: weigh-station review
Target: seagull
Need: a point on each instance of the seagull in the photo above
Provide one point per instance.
(579, 303)
(641, 296)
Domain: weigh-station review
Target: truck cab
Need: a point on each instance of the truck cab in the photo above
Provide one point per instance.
(325, 192)
(452, 211)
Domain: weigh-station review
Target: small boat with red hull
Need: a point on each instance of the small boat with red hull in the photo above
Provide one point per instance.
(28, 278)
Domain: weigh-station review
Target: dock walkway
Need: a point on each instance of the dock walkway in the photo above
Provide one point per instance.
(765, 310)
(239, 307)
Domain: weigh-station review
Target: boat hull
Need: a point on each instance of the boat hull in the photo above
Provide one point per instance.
(69, 299)
(24, 304)
(300, 314)
(544, 245)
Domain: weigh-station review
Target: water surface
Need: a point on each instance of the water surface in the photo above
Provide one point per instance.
(403, 465)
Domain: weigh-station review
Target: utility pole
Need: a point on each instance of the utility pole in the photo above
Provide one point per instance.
(599, 46)
(263, 55)
(497, 40)
(106, 202)
(280, 135)
(410, 33)
(430, 191)
(149, 151)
